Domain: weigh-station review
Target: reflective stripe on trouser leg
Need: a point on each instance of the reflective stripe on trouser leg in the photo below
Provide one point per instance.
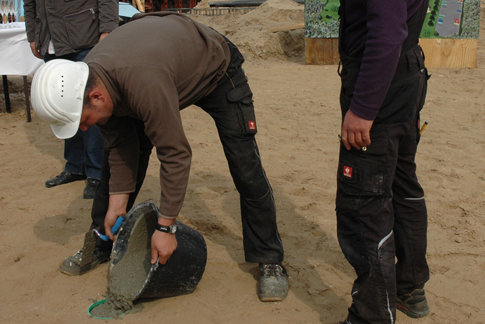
(372, 256)
(411, 219)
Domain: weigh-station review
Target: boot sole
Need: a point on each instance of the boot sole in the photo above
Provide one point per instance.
(270, 299)
(60, 184)
(82, 271)
(411, 313)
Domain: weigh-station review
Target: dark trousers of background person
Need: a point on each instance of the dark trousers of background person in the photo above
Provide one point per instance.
(84, 151)
(381, 211)
(231, 107)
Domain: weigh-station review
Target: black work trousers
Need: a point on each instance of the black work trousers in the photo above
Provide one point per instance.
(231, 107)
(381, 211)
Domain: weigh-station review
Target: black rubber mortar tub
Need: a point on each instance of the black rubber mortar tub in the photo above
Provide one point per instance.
(131, 270)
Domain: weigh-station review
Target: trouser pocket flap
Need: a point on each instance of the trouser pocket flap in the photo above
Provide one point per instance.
(378, 146)
(242, 94)
(242, 97)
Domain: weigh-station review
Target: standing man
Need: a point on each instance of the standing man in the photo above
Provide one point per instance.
(58, 29)
(381, 212)
(135, 93)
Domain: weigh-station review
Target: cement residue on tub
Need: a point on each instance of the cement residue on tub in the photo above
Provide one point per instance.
(107, 310)
(128, 276)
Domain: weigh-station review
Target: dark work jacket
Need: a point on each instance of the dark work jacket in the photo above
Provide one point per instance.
(72, 25)
(376, 41)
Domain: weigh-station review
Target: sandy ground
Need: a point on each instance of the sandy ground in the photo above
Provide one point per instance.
(298, 117)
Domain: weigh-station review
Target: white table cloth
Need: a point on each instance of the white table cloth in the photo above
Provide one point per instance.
(16, 58)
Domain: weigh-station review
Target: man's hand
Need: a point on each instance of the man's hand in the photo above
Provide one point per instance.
(35, 51)
(101, 36)
(356, 131)
(163, 244)
(117, 207)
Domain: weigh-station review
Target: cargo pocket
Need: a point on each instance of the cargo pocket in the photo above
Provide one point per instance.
(242, 97)
(363, 172)
(82, 28)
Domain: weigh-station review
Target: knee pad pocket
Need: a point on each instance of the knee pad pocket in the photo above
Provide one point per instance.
(242, 97)
(364, 172)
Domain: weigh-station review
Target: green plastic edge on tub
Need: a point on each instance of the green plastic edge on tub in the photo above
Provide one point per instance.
(90, 308)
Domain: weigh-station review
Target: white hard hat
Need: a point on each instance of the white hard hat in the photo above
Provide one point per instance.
(57, 93)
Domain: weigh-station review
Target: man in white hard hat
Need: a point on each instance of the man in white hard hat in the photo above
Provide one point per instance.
(133, 86)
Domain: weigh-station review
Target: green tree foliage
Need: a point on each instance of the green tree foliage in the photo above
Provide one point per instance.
(470, 24)
(321, 23)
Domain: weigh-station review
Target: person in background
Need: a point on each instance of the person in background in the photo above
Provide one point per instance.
(380, 206)
(68, 30)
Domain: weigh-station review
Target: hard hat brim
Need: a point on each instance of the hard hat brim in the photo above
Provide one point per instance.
(65, 131)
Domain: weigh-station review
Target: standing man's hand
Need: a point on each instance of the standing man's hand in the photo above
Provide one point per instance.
(356, 131)
(101, 36)
(117, 207)
(163, 244)
(35, 51)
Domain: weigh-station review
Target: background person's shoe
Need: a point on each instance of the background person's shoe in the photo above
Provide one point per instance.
(273, 283)
(91, 188)
(414, 304)
(63, 178)
(72, 264)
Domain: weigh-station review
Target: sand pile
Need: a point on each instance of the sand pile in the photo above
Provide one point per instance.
(250, 31)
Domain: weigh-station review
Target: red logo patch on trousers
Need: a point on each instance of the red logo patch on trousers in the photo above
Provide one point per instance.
(252, 125)
(347, 171)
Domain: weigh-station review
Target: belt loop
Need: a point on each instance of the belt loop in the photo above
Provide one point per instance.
(422, 53)
(420, 57)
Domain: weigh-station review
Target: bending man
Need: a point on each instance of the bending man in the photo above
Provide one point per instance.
(134, 88)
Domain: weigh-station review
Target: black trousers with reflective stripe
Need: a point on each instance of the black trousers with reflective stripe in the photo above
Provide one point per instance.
(381, 211)
(231, 107)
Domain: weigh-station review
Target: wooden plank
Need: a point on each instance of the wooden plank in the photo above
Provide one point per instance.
(286, 28)
(440, 53)
(450, 53)
(321, 51)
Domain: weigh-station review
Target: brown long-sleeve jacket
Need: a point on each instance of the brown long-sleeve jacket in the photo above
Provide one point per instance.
(154, 66)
